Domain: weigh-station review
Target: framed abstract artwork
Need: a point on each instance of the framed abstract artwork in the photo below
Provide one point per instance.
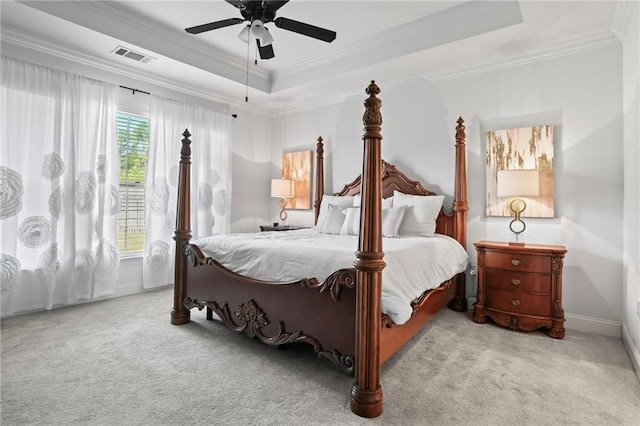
(297, 167)
(520, 165)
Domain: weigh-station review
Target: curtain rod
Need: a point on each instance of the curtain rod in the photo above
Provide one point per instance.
(133, 91)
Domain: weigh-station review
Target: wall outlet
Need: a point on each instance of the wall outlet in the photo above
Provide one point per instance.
(473, 269)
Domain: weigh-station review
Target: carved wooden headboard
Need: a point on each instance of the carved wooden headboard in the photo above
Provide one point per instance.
(451, 223)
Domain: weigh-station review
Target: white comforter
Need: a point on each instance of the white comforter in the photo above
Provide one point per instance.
(414, 264)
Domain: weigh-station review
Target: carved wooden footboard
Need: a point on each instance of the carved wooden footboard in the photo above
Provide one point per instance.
(320, 314)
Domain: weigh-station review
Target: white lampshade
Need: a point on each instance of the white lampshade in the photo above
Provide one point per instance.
(261, 33)
(244, 34)
(518, 183)
(266, 38)
(282, 188)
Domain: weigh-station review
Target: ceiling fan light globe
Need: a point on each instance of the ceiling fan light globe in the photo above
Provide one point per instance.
(244, 34)
(257, 29)
(266, 38)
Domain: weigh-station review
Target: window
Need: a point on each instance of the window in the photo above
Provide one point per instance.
(133, 141)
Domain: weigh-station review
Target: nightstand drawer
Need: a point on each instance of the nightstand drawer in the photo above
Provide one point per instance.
(516, 281)
(518, 262)
(519, 303)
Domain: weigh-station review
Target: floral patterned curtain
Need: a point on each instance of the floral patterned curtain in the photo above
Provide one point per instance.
(210, 180)
(59, 195)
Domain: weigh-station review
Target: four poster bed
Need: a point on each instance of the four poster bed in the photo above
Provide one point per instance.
(339, 315)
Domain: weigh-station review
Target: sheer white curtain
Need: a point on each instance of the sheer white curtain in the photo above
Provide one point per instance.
(59, 196)
(210, 180)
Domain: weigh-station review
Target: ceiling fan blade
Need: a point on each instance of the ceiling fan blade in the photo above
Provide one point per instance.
(305, 29)
(275, 5)
(237, 3)
(213, 25)
(266, 52)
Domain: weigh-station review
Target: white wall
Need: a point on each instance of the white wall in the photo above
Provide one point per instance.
(631, 220)
(252, 169)
(579, 94)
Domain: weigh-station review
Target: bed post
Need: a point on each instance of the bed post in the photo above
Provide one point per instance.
(180, 314)
(366, 393)
(460, 208)
(319, 178)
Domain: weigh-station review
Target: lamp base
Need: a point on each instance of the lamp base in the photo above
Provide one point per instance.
(516, 243)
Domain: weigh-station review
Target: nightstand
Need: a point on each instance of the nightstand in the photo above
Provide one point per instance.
(520, 287)
(281, 228)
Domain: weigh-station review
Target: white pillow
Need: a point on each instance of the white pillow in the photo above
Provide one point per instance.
(391, 221)
(351, 223)
(346, 201)
(334, 220)
(386, 202)
(422, 212)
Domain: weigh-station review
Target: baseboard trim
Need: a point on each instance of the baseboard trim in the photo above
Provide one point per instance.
(632, 351)
(593, 325)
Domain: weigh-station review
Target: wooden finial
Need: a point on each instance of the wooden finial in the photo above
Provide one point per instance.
(460, 133)
(319, 147)
(185, 152)
(372, 105)
(373, 89)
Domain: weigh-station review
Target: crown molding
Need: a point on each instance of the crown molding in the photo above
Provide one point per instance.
(452, 24)
(622, 17)
(12, 37)
(541, 53)
(109, 19)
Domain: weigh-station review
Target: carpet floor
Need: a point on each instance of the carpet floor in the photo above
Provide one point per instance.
(121, 362)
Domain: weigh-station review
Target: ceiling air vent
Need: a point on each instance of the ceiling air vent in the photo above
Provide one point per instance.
(128, 53)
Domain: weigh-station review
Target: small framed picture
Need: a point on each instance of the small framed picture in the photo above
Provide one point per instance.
(297, 167)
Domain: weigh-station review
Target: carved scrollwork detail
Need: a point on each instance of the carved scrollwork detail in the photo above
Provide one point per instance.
(387, 169)
(250, 319)
(344, 362)
(558, 312)
(387, 322)
(253, 319)
(517, 323)
(333, 283)
(557, 265)
(514, 323)
(190, 303)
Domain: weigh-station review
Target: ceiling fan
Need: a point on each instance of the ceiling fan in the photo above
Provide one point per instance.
(258, 13)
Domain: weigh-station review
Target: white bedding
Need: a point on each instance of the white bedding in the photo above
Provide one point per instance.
(414, 264)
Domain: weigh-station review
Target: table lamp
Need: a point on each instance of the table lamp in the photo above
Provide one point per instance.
(283, 189)
(515, 184)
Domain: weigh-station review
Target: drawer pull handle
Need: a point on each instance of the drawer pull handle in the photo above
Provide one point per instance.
(515, 262)
(515, 281)
(515, 302)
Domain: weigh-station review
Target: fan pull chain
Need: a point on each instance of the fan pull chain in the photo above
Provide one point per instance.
(246, 93)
